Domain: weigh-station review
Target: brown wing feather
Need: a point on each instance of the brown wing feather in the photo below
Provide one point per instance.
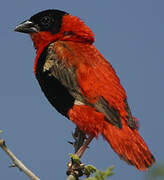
(91, 81)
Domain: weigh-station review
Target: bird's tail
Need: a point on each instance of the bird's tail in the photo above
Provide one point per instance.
(129, 145)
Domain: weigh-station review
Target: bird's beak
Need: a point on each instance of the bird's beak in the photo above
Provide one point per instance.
(26, 27)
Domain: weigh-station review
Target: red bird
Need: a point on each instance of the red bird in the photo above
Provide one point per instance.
(82, 85)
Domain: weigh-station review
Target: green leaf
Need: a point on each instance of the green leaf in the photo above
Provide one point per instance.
(1, 131)
(89, 169)
(102, 175)
(71, 177)
(156, 172)
(75, 158)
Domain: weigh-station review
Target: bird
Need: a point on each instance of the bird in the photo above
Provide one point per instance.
(82, 85)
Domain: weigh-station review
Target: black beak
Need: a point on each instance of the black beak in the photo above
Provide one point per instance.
(26, 27)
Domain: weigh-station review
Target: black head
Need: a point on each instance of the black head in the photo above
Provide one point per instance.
(48, 20)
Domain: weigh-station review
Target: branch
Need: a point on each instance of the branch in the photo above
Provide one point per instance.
(16, 162)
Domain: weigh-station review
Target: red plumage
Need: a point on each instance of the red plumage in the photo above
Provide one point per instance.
(96, 101)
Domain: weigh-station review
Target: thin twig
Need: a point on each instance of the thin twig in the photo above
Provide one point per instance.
(16, 162)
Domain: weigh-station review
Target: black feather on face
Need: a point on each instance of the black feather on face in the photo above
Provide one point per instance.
(49, 20)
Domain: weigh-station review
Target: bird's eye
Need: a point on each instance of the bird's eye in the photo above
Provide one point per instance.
(46, 20)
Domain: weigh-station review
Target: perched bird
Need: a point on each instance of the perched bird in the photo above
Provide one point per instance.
(82, 85)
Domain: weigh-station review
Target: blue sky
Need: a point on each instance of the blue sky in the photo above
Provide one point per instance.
(130, 34)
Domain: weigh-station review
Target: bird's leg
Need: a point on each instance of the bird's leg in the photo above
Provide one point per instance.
(82, 149)
(79, 137)
(76, 168)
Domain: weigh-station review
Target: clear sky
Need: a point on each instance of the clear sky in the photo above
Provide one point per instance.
(130, 34)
